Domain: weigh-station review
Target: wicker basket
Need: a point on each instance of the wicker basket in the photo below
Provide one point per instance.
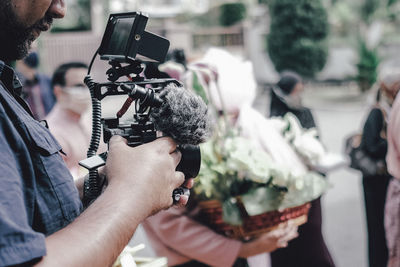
(253, 226)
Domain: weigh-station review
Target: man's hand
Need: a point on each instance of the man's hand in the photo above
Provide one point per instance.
(184, 198)
(140, 182)
(145, 174)
(270, 241)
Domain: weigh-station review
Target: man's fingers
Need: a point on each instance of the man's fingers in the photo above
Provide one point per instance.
(189, 183)
(183, 200)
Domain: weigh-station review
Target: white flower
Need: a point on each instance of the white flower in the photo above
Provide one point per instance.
(309, 147)
(304, 141)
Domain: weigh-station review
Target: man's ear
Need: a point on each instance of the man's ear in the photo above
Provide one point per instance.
(57, 91)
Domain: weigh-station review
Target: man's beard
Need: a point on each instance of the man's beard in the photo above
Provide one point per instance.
(16, 38)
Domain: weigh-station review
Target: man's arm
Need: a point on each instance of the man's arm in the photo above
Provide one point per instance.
(140, 183)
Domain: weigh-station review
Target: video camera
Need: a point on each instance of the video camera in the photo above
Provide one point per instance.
(125, 45)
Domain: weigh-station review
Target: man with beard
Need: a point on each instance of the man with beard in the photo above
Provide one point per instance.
(41, 218)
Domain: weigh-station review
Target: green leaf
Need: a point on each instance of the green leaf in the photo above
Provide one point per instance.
(198, 88)
(262, 200)
(231, 212)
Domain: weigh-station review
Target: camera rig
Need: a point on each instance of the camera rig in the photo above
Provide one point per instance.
(124, 41)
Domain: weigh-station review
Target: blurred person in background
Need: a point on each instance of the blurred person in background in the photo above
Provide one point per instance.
(309, 249)
(179, 233)
(36, 86)
(68, 120)
(374, 143)
(392, 205)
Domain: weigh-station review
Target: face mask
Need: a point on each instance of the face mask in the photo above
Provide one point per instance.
(76, 99)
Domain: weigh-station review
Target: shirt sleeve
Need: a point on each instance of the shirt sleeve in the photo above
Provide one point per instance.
(192, 239)
(19, 243)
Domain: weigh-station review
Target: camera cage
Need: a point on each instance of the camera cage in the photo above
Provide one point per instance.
(125, 45)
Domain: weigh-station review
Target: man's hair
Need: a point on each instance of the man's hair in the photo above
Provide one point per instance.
(59, 73)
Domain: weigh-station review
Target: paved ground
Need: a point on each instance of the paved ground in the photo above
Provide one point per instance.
(338, 111)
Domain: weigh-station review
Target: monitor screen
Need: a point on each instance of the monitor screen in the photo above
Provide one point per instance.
(125, 38)
(120, 35)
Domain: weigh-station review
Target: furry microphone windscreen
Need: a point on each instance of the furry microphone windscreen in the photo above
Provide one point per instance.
(182, 116)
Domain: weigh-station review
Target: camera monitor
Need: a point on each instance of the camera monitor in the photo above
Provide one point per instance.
(125, 39)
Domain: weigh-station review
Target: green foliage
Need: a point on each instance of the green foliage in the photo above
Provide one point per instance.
(297, 38)
(231, 213)
(392, 2)
(199, 89)
(368, 9)
(367, 66)
(231, 13)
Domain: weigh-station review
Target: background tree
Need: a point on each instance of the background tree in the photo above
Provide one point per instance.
(368, 58)
(231, 13)
(367, 66)
(297, 38)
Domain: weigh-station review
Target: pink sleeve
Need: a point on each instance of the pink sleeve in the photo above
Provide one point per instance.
(393, 154)
(192, 239)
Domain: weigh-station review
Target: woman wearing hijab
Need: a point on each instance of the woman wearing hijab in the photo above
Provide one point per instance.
(375, 144)
(392, 205)
(309, 249)
(381, 248)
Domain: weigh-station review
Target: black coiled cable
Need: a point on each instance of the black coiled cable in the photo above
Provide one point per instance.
(92, 186)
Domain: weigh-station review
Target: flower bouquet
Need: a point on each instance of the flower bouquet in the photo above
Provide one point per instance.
(243, 192)
(252, 177)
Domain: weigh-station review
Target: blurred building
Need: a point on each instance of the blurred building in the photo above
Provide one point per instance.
(64, 45)
(187, 24)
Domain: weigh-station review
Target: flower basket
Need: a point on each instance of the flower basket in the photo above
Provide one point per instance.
(255, 172)
(211, 214)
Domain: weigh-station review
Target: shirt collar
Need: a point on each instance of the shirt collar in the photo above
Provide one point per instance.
(10, 79)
